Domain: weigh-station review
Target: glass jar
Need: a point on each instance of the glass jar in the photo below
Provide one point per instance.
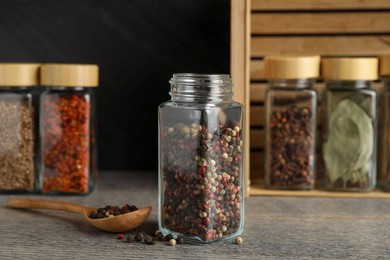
(67, 127)
(290, 125)
(200, 159)
(18, 121)
(384, 151)
(350, 123)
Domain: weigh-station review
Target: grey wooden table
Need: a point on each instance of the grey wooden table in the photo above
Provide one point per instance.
(275, 227)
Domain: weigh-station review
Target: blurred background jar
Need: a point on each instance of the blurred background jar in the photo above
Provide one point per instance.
(18, 127)
(350, 123)
(384, 109)
(290, 127)
(67, 128)
(200, 159)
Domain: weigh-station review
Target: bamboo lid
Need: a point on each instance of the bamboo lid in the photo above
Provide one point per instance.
(70, 75)
(19, 74)
(291, 67)
(384, 67)
(349, 68)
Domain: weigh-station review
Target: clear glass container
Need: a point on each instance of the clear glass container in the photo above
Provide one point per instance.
(350, 124)
(18, 128)
(384, 149)
(201, 148)
(290, 122)
(67, 128)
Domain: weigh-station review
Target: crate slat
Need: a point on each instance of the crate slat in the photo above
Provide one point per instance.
(322, 45)
(263, 5)
(320, 23)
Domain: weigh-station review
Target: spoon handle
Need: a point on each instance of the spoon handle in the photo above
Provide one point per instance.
(47, 204)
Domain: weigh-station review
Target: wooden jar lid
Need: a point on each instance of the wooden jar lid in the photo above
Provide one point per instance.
(19, 74)
(291, 67)
(70, 75)
(349, 68)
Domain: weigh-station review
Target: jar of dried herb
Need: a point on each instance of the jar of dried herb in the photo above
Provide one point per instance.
(350, 123)
(18, 120)
(384, 71)
(67, 128)
(200, 159)
(290, 125)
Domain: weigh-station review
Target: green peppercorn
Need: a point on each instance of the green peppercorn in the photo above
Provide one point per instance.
(172, 242)
(238, 240)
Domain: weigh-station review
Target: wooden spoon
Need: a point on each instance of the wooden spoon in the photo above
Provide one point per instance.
(119, 223)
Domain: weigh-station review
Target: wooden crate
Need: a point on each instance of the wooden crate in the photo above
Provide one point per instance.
(283, 27)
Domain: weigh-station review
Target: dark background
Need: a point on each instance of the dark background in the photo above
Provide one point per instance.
(138, 45)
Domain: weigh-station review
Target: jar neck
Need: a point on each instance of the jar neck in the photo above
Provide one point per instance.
(291, 83)
(188, 87)
(348, 84)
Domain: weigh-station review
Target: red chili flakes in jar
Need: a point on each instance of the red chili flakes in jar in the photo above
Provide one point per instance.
(66, 136)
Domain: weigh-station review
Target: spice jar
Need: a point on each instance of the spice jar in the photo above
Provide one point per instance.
(201, 160)
(350, 123)
(18, 120)
(290, 125)
(384, 71)
(67, 128)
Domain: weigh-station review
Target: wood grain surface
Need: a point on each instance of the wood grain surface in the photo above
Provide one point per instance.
(275, 228)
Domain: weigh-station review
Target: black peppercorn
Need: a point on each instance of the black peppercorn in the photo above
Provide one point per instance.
(168, 237)
(139, 236)
(180, 240)
(131, 238)
(149, 240)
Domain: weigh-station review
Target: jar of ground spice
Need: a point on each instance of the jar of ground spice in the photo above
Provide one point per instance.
(384, 144)
(18, 121)
(350, 123)
(201, 159)
(290, 125)
(67, 128)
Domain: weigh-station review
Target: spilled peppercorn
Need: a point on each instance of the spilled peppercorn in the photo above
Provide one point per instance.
(110, 211)
(151, 239)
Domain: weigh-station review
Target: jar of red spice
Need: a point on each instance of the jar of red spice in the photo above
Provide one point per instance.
(67, 128)
(18, 121)
(200, 159)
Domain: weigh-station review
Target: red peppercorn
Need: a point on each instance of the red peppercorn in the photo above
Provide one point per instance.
(202, 170)
(120, 236)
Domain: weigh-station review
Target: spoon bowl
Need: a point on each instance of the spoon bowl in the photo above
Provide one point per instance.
(119, 223)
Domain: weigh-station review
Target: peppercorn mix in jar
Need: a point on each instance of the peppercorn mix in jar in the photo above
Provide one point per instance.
(67, 128)
(350, 123)
(384, 173)
(290, 125)
(18, 121)
(201, 160)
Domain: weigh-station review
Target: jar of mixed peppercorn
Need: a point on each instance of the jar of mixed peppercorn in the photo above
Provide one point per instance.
(290, 125)
(384, 159)
(350, 123)
(18, 131)
(67, 128)
(200, 159)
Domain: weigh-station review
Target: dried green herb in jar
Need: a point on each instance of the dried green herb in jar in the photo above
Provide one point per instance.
(349, 149)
